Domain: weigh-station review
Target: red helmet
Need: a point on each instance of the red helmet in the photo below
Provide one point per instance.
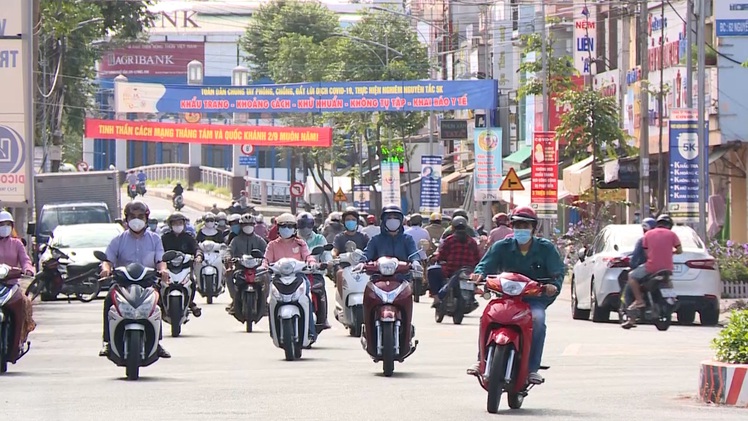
(501, 219)
(524, 213)
(371, 219)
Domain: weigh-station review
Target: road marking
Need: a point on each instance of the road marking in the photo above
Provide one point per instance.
(571, 350)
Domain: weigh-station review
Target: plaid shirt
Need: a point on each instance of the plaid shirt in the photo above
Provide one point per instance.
(456, 254)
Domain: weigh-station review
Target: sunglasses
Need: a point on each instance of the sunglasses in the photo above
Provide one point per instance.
(210, 220)
(248, 223)
(286, 225)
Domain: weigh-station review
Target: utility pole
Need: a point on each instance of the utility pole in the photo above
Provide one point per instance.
(661, 178)
(589, 82)
(703, 144)
(644, 110)
(689, 54)
(544, 64)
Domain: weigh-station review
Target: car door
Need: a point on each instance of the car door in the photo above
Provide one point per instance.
(583, 276)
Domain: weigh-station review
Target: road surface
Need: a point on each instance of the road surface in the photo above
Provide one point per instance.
(154, 202)
(220, 372)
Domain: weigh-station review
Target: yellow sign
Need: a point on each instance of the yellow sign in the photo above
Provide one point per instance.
(511, 182)
(340, 196)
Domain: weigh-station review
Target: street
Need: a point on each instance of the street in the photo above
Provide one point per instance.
(217, 371)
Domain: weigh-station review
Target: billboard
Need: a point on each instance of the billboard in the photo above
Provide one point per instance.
(731, 18)
(488, 164)
(431, 184)
(152, 59)
(685, 148)
(544, 175)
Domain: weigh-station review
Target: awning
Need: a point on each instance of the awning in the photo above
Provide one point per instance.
(456, 176)
(519, 157)
(578, 177)
(524, 173)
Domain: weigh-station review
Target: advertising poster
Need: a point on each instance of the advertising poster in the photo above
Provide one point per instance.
(412, 95)
(488, 164)
(214, 134)
(361, 200)
(683, 191)
(152, 59)
(390, 183)
(544, 175)
(431, 184)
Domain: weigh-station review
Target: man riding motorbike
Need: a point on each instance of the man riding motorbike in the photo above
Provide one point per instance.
(305, 227)
(178, 239)
(463, 213)
(222, 223)
(536, 258)
(351, 233)
(136, 245)
(371, 229)
(660, 244)
(435, 227)
(418, 233)
(456, 251)
(153, 224)
(333, 227)
(209, 232)
(13, 254)
(502, 229)
(234, 227)
(178, 189)
(391, 240)
(246, 241)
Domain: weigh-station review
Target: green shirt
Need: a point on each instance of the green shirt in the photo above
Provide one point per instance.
(316, 240)
(541, 261)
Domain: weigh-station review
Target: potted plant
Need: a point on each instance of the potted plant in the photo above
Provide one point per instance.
(725, 380)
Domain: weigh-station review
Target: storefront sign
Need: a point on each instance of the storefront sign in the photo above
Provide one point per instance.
(152, 59)
(585, 38)
(731, 18)
(685, 148)
(453, 129)
(488, 164)
(544, 175)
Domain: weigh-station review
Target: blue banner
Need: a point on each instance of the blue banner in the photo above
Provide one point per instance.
(412, 95)
(361, 200)
(488, 164)
(685, 148)
(431, 183)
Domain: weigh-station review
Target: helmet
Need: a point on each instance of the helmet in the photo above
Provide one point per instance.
(371, 219)
(285, 219)
(221, 216)
(390, 210)
(350, 212)
(246, 219)
(136, 205)
(665, 220)
(152, 221)
(304, 220)
(416, 220)
(234, 217)
(501, 219)
(5, 216)
(209, 215)
(459, 221)
(179, 183)
(524, 213)
(336, 216)
(176, 216)
(648, 224)
(259, 218)
(460, 212)
(435, 217)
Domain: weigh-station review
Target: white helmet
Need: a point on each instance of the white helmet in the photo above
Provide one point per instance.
(209, 215)
(259, 218)
(246, 219)
(5, 216)
(285, 218)
(336, 216)
(221, 216)
(234, 217)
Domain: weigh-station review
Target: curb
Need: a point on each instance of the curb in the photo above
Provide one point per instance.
(724, 384)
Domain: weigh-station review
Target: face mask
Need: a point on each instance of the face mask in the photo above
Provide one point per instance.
(305, 232)
(152, 227)
(351, 225)
(522, 236)
(177, 229)
(136, 225)
(248, 229)
(235, 229)
(392, 224)
(5, 231)
(286, 232)
(210, 225)
(221, 223)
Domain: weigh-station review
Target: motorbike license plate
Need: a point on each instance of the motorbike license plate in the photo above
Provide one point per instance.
(467, 285)
(250, 288)
(668, 293)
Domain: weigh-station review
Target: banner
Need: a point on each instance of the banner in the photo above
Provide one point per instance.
(683, 189)
(431, 183)
(412, 95)
(544, 175)
(585, 37)
(731, 18)
(15, 153)
(213, 134)
(390, 183)
(361, 198)
(488, 164)
(152, 59)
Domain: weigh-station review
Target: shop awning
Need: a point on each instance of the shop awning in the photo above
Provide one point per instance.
(456, 176)
(519, 157)
(578, 177)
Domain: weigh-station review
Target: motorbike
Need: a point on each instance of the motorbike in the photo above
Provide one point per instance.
(54, 278)
(289, 306)
(506, 338)
(349, 305)
(316, 277)
(140, 188)
(176, 294)
(459, 299)
(660, 299)
(178, 202)
(134, 318)
(132, 191)
(419, 288)
(388, 332)
(9, 328)
(249, 301)
(211, 283)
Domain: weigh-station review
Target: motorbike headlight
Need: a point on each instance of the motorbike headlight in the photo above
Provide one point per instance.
(143, 311)
(387, 267)
(177, 261)
(4, 270)
(286, 268)
(209, 270)
(512, 288)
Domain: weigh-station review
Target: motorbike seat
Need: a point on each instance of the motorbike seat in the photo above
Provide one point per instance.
(660, 278)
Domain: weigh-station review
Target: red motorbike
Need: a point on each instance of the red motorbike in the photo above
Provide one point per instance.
(11, 317)
(505, 339)
(387, 334)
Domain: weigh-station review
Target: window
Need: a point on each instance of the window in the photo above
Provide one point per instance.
(53, 217)
(100, 238)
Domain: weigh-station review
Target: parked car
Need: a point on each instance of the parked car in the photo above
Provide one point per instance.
(595, 289)
(160, 215)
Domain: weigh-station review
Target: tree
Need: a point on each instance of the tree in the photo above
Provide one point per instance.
(70, 41)
(559, 71)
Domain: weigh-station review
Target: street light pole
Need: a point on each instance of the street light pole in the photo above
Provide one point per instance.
(703, 145)
(195, 76)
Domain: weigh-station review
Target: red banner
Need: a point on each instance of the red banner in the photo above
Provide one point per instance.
(544, 174)
(213, 134)
(152, 59)
(555, 109)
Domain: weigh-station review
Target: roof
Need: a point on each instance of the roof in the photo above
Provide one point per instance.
(520, 156)
(73, 205)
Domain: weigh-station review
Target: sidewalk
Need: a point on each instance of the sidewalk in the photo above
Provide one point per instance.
(203, 201)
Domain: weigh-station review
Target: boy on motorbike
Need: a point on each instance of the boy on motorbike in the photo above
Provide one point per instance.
(180, 240)
(242, 244)
(392, 241)
(457, 251)
(536, 258)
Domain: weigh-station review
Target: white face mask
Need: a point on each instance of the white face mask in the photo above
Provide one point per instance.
(392, 224)
(248, 229)
(136, 225)
(5, 231)
(177, 229)
(210, 225)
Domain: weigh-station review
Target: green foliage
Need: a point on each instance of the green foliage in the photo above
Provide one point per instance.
(732, 260)
(731, 342)
(560, 69)
(592, 122)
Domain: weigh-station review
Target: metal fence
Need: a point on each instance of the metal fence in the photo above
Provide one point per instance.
(164, 171)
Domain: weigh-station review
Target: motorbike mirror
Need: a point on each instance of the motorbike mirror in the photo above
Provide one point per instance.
(100, 255)
(169, 255)
(257, 254)
(487, 295)
(31, 228)
(328, 247)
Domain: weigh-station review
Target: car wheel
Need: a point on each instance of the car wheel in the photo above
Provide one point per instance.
(576, 313)
(599, 314)
(709, 317)
(686, 317)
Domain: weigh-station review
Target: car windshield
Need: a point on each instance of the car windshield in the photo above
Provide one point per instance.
(160, 215)
(53, 217)
(626, 238)
(98, 238)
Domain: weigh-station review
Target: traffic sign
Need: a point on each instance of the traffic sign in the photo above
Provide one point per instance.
(248, 149)
(340, 196)
(82, 166)
(249, 161)
(511, 182)
(297, 189)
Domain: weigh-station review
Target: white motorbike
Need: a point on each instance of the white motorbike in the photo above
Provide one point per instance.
(349, 307)
(134, 318)
(211, 282)
(289, 305)
(178, 202)
(176, 294)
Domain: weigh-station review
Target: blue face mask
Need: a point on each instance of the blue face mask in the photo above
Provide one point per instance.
(286, 232)
(522, 236)
(351, 225)
(235, 229)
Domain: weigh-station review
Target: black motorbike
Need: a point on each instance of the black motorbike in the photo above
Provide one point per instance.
(660, 299)
(60, 276)
(459, 299)
(250, 300)
(140, 188)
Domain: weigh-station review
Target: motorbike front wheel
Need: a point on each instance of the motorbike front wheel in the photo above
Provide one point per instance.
(175, 314)
(289, 344)
(249, 317)
(496, 374)
(357, 322)
(134, 340)
(209, 291)
(388, 348)
(34, 289)
(459, 312)
(4, 345)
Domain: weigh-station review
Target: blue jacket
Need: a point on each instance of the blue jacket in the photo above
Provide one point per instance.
(401, 246)
(640, 256)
